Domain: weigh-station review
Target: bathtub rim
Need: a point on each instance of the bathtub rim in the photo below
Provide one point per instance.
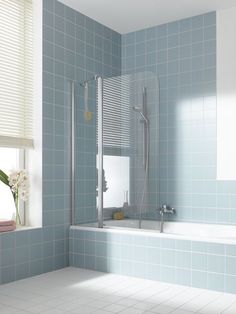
(146, 232)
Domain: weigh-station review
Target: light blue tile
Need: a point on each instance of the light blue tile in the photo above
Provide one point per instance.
(153, 241)
(210, 47)
(89, 247)
(230, 266)
(167, 274)
(199, 247)
(127, 252)
(210, 19)
(199, 279)
(140, 36)
(151, 33)
(167, 243)
(162, 30)
(153, 272)
(215, 281)
(168, 257)
(22, 271)
(102, 264)
(173, 41)
(173, 27)
(216, 248)
(161, 43)
(22, 239)
(199, 261)
(230, 250)
(183, 276)
(183, 259)
(89, 262)
(126, 268)
(8, 257)
(22, 254)
(7, 240)
(90, 235)
(59, 8)
(185, 24)
(230, 284)
(47, 249)
(183, 245)
(8, 274)
(198, 21)
(48, 18)
(79, 260)
(36, 267)
(216, 263)
(36, 252)
(153, 256)
(48, 264)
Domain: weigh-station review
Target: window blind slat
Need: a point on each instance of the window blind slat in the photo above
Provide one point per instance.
(116, 112)
(16, 74)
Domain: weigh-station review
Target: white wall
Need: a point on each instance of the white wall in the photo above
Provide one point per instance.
(226, 94)
(34, 156)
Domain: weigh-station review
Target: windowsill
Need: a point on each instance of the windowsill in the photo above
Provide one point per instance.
(21, 228)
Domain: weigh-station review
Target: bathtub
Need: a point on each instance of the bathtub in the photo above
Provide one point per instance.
(180, 230)
(191, 254)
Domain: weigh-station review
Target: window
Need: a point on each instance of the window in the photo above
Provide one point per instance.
(16, 91)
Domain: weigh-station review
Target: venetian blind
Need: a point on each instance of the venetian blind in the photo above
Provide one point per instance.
(16, 73)
(116, 112)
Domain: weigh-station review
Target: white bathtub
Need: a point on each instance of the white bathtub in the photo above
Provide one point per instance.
(191, 231)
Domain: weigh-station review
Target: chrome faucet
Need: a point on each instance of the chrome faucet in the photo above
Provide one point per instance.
(164, 209)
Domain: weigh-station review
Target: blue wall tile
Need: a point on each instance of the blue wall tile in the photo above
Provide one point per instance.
(185, 64)
(28, 253)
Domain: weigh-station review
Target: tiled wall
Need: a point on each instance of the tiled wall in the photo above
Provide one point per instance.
(183, 56)
(185, 262)
(66, 55)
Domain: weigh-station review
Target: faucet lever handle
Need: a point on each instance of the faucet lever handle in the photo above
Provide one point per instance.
(164, 209)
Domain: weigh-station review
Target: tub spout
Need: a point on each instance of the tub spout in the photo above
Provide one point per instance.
(164, 209)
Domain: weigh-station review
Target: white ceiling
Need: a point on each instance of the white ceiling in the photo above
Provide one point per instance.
(125, 16)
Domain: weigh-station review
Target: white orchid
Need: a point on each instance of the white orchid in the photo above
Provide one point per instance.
(18, 182)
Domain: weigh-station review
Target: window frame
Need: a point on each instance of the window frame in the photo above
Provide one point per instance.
(22, 205)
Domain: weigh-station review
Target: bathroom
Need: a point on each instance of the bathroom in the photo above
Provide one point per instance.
(125, 126)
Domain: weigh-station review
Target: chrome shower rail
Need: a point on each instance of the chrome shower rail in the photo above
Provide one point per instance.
(72, 104)
(100, 149)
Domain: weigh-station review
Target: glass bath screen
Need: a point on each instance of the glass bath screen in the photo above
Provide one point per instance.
(131, 146)
(85, 154)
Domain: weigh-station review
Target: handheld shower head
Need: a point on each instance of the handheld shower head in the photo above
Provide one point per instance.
(140, 111)
(137, 109)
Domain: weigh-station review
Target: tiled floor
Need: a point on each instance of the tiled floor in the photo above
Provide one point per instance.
(74, 290)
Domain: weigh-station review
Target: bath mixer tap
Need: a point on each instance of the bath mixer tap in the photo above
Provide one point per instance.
(164, 209)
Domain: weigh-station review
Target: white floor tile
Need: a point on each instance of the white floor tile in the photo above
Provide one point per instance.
(162, 309)
(200, 301)
(179, 311)
(131, 310)
(220, 305)
(144, 305)
(73, 290)
(114, 308)
(231, 309)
